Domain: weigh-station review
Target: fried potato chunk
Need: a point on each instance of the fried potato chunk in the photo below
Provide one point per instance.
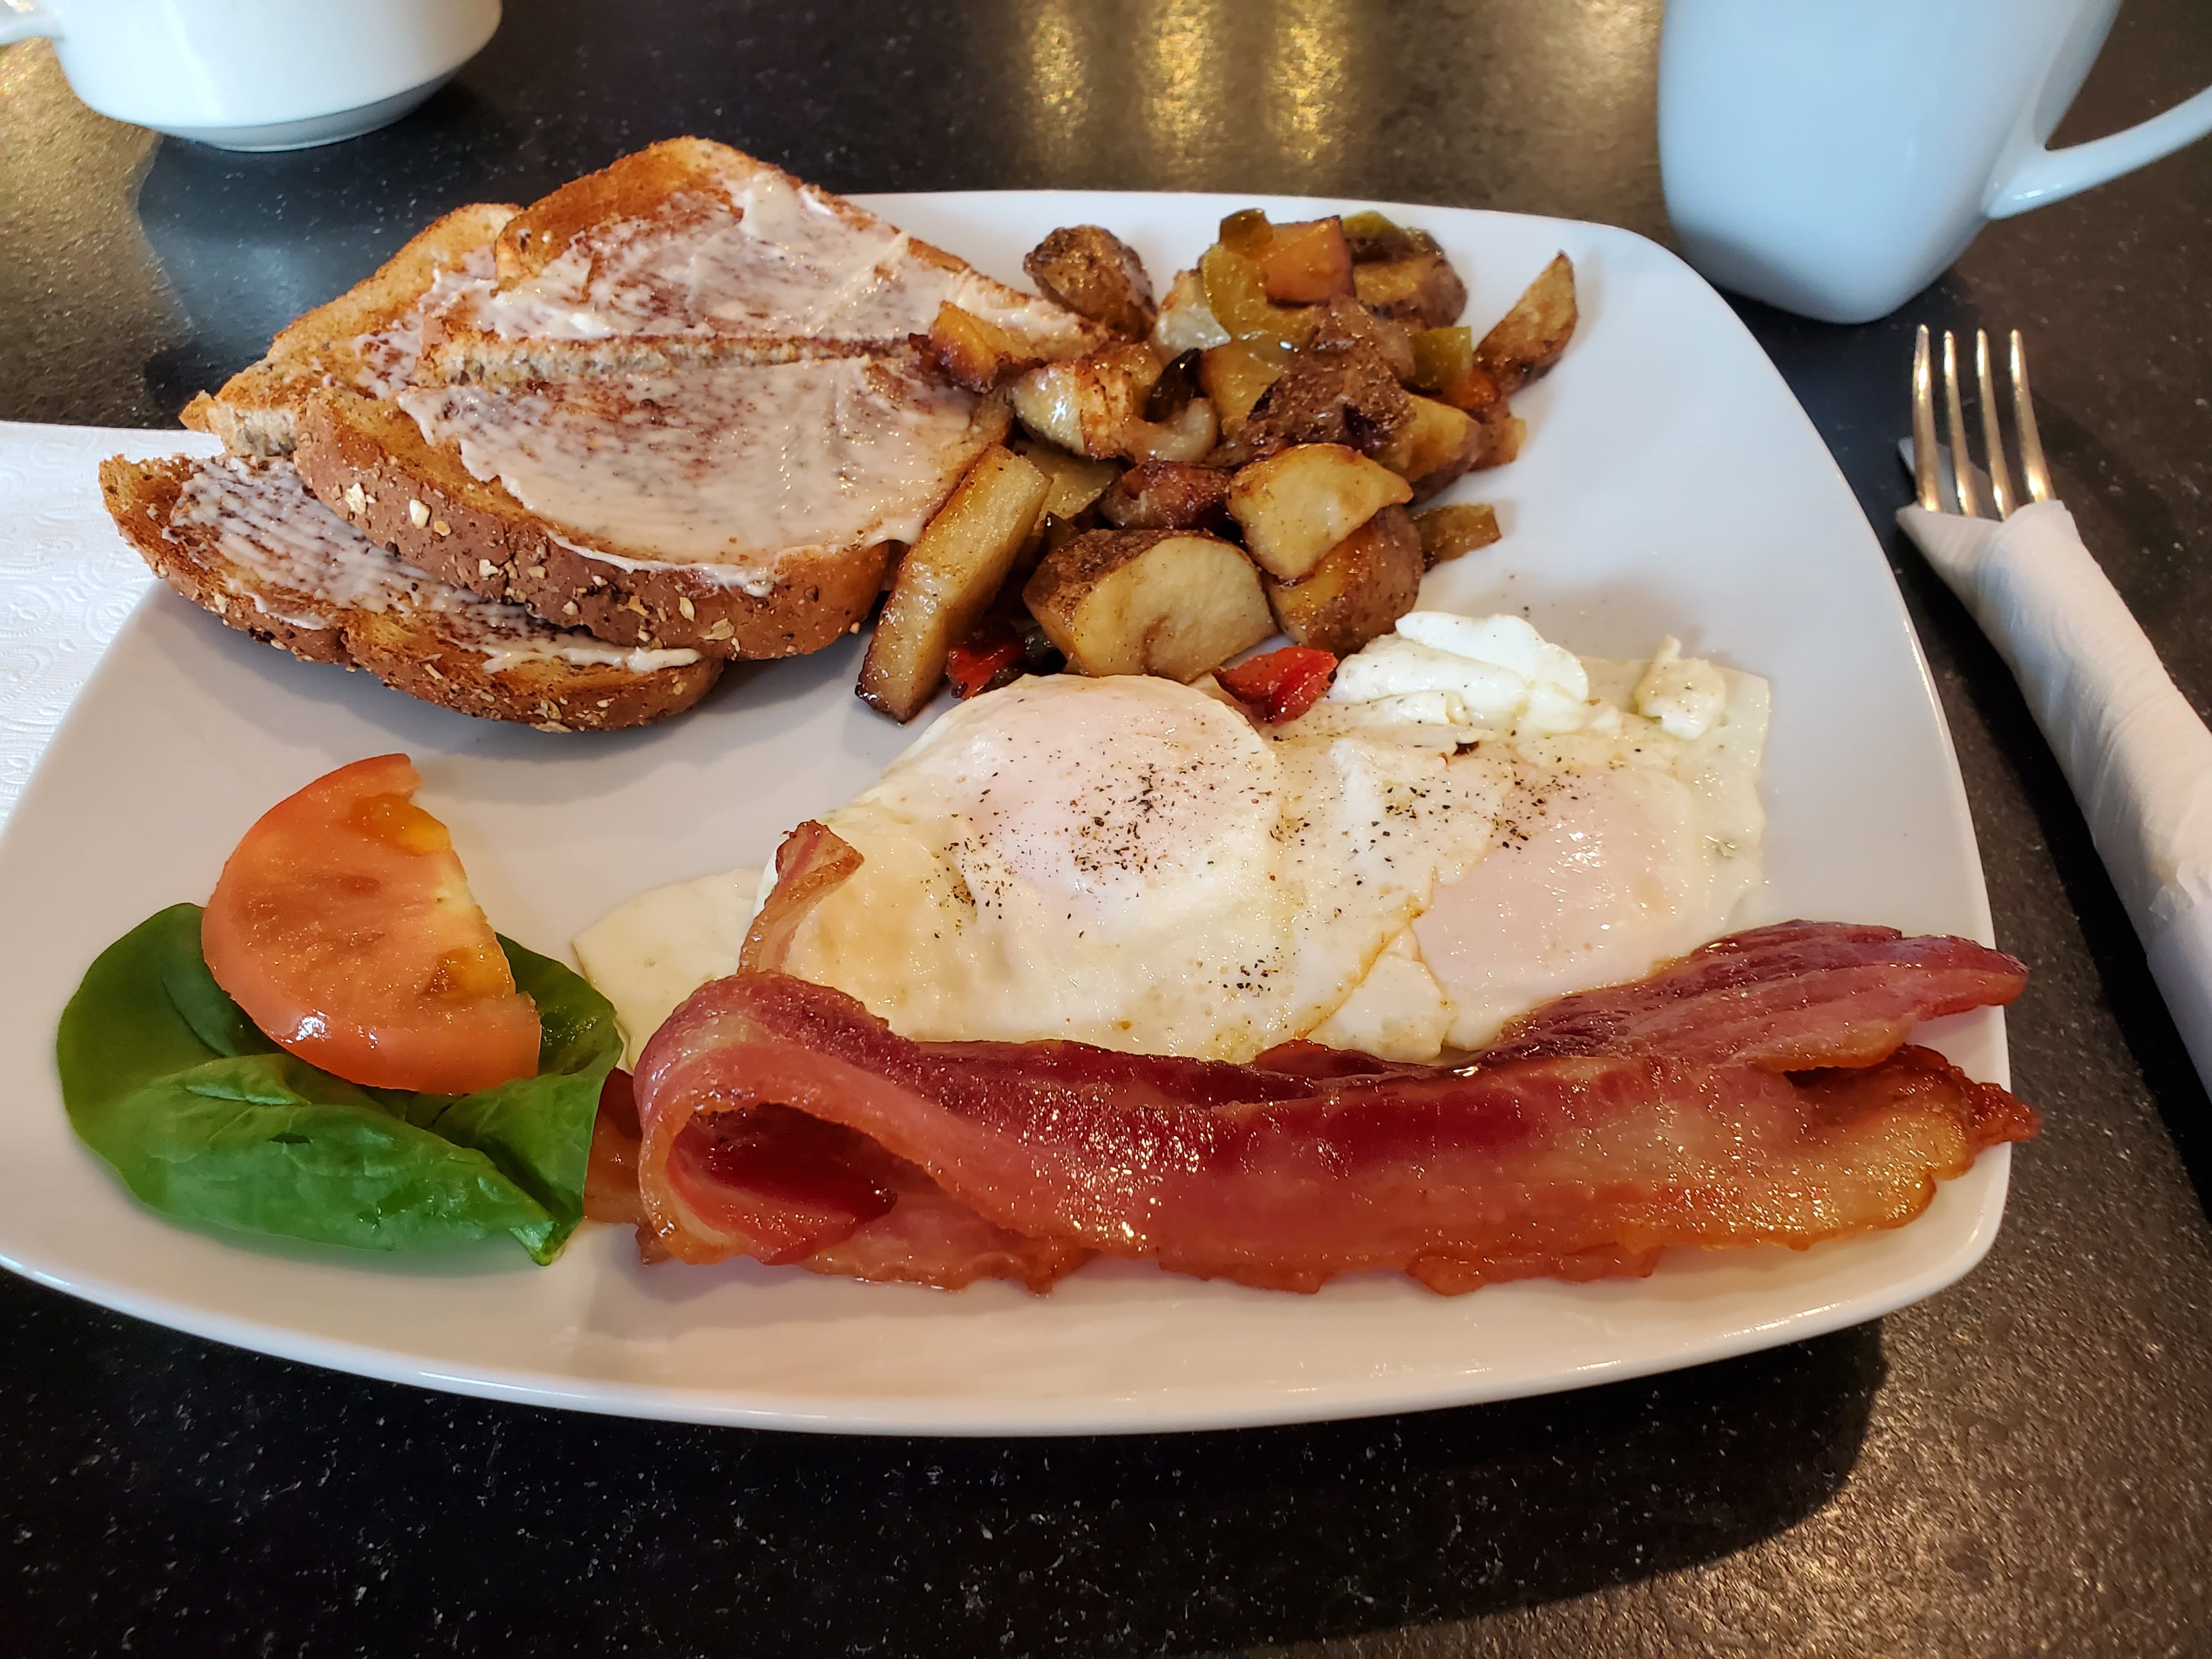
(976, 353)
(1342, 321)
(1168, 602)
(1077, 482)
(1448, 531)
(1166, 496)
(1437, 444)
(1186, 322)
(1359, 591)
(1346, 395)
(1420, 291)
(948, 578)
(1307, 263)
(1297, 505)
(1528, 339)
(1095, 274)
(1087, 405)
(1095, 407)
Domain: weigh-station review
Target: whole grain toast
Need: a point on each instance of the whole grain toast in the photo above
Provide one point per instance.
(243, 540)
(369, 461)
(366, 340)
(690, 250)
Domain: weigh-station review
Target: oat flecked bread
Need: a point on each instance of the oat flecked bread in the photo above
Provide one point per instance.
(685, 410)
(690, 250)
(243, 538)
(364, 341)
(604, 545)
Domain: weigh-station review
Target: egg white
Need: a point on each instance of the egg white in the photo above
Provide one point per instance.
(1131, 863)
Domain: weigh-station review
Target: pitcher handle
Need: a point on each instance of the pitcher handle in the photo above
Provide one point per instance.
(2052, 175)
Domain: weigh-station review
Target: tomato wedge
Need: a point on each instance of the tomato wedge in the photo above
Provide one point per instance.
(344, 926)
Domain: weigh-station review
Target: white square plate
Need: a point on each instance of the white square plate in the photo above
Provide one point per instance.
(1670, 485)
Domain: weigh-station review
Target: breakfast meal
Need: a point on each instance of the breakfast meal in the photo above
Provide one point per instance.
(1243, 917)
(559, 464)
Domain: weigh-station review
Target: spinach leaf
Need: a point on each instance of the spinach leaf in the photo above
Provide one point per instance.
(207, 1122)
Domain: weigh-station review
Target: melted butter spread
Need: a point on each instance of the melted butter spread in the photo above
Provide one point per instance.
(713, 463)
(385, 357)
(290, 551)
(775, 258)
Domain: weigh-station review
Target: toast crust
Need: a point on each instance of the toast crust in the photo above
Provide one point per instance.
(370, 462)
(415, 650)
(366, 340)
(593, 248)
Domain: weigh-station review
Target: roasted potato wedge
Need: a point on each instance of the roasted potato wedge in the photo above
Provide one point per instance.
(1095, 274)
(1343, 321)
(1087, 405)
(1077, 482)
(1166, 496)
(1530, 339)
(1307, 263)
(1095, 406)
(1437, 444)
(1358, 590)
(1235, 376)
(1295, 506)
(948, 578)
(1448, 531)
(975, 353)
(1186, 322)
(1420, 291)
(1190, 436)
(1169, 602)
(1347, 396)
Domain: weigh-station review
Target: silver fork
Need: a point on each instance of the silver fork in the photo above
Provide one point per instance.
(1965, 477)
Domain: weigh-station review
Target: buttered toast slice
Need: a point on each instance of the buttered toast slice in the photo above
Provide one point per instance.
(740, 509)
(244, 540)
(691, 250)
(365, 341)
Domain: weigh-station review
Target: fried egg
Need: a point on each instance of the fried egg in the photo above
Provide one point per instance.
(1473, 820)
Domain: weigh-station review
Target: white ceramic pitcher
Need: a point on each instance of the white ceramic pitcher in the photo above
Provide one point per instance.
(1833, 156)
(256, 74)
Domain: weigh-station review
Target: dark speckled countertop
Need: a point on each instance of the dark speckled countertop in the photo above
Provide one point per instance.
(2022, 1465)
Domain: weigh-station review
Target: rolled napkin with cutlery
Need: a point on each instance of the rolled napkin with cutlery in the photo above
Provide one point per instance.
(2139, 758)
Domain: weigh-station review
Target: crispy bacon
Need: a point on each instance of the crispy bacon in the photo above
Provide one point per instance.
(1798, 994)
(1574, 1165)
(810, 861)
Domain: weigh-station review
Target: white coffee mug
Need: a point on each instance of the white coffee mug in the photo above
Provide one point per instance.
(1833, 156)
(256, 74)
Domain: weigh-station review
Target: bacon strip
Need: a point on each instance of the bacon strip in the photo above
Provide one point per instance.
(1799, 995)
(1574, 1164)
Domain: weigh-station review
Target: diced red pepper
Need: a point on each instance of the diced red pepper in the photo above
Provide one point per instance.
(983, 662)
(1281, 685)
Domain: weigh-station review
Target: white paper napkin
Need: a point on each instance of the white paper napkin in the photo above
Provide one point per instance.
(67, 578)
(2139, 758)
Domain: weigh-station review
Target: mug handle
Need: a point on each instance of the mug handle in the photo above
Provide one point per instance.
(2052, 175)
(19, 21)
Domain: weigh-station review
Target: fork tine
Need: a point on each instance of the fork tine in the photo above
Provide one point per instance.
(1954, 421)
(1992, 434)
(2031, 442)
(1925, 473)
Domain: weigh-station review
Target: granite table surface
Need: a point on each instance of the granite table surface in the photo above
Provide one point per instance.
(2022, 1465)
